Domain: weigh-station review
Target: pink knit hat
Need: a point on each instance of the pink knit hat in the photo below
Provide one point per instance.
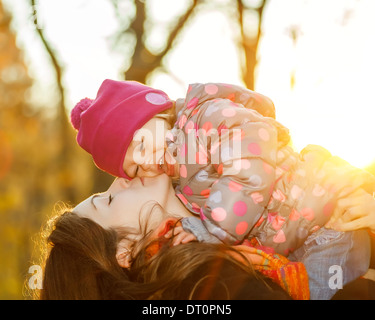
(107, 124)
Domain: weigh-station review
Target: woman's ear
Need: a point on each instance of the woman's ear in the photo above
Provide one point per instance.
(123, 255)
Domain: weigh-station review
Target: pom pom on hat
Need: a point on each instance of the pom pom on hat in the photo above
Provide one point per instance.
(75, 115)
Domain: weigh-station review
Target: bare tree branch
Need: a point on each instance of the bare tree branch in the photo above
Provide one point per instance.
(176, 30)
(144, 61)
(62, 159)
(56, 65)
(248, 44)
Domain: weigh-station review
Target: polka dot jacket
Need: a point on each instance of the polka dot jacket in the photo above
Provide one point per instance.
(241, 176)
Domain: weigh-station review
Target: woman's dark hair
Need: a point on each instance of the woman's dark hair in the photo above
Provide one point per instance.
(81, 263)
(203, 271)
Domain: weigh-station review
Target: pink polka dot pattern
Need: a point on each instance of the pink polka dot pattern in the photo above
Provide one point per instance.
(263, 134)
(279, 237)
(202, 216)
(294, 215)
(211, 89)
(307, 213)
(231, 96)
(234, 186)
(278, 195)
(228, 112)
(155, 98)
(189, 126)
(296, 192)
(254, 148)
(219, 214)
(207, 126)
(192, 103)
(278, 222)
(267, 168)
(187, 190)
(242, 164)
(195, 207)
(205, 193)
(318, 191)
(221, 128)
(182, 198)
(241, 227)
(240, 208)
(257, 197)
(183, 171)
(182, 121)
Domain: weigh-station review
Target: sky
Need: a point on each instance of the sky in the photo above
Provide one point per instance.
(331, 103)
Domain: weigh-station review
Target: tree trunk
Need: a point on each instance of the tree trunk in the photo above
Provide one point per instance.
(248, 44)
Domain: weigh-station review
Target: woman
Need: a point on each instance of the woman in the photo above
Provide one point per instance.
(112, 246)
(110, 231)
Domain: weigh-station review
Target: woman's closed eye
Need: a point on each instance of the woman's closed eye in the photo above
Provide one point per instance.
(110, 198)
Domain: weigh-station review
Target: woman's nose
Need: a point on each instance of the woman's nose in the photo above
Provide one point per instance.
(119, 184)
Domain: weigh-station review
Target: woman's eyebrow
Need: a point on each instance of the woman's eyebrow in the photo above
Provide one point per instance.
(92, 200)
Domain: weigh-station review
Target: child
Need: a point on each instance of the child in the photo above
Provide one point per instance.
(266, 191)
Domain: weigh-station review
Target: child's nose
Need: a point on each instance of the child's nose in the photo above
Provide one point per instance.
(148, 167)
(149, 163)
(148, 170)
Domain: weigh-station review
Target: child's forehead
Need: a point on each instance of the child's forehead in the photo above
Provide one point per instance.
(150, 128)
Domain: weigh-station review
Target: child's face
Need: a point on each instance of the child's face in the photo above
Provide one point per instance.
(145, 155)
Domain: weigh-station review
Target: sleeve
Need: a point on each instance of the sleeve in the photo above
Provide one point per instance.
(243, 152)
(237, 94)
(253, 100)
(195, 226)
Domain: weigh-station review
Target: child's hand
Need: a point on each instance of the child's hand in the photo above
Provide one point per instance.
(354, 212)
(180, 236)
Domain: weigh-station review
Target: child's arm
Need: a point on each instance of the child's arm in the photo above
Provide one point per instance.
(240, 195)
(248, 98)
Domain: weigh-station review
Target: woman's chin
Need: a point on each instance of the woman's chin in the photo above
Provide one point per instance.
(161, 181)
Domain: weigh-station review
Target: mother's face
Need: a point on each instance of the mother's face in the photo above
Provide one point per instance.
(122, 203)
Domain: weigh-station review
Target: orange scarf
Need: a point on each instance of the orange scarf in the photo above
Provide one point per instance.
(291, 276)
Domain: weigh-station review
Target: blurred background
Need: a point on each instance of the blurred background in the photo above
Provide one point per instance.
(313, 58)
